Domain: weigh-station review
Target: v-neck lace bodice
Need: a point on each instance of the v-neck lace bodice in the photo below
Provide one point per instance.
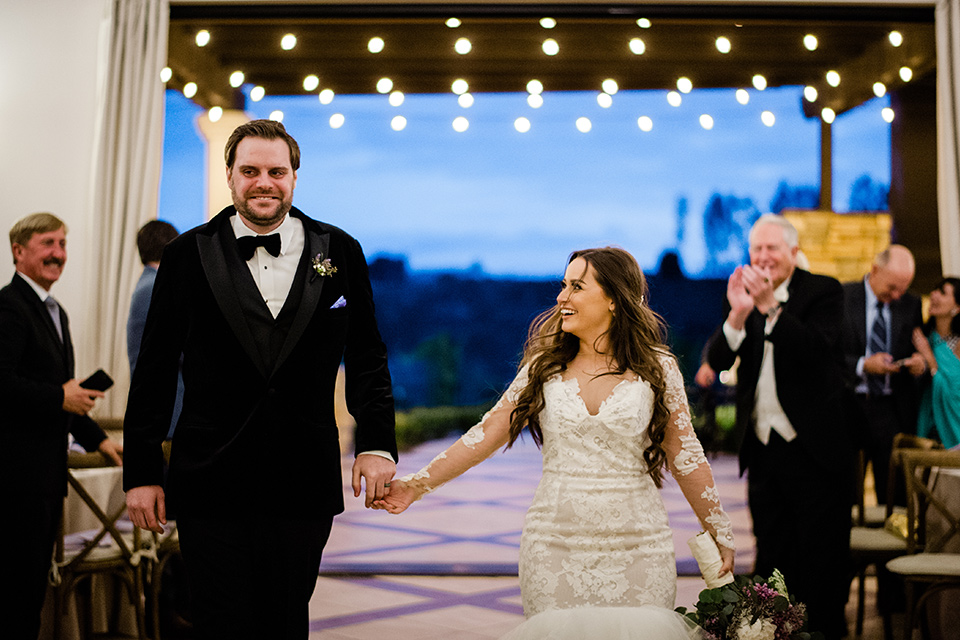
(597, 532)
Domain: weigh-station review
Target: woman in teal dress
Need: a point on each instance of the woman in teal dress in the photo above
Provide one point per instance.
(938, 343)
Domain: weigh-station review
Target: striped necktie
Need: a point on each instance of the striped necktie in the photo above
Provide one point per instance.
(876, 385)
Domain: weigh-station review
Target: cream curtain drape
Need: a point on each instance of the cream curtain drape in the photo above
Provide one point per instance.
(128, 156)
(948, 132)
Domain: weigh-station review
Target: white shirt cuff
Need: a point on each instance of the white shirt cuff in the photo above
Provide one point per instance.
(734, 337)
(377, 452)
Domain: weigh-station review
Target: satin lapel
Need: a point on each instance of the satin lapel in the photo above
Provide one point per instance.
(316, 244)
(218, 276)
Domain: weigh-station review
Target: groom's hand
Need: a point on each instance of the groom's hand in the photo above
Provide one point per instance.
(147, 508)
(376, 472)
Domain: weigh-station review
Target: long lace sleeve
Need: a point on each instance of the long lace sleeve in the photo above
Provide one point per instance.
(687, 462)
(475, 446)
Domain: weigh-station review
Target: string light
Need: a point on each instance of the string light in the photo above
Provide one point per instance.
(375, 45)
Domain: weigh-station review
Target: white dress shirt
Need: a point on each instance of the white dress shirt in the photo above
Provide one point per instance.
(274, 276)
(768, 414)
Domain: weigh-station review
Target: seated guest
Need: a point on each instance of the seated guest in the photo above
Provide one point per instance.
(938, 343)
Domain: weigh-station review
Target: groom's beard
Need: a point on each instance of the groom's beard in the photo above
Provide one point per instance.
(259, 215)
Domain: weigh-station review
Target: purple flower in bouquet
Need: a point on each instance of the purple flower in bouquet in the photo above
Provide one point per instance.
(751, 609)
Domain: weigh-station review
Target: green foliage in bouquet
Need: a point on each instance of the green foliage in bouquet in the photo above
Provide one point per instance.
(751, 609)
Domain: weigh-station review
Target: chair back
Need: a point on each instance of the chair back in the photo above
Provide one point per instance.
(923, 471)
(106, 537)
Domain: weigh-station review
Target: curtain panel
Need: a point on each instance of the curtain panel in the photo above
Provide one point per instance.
(948, 133)
(126, 175)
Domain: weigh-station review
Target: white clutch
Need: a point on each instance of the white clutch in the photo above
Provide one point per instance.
(707, 554)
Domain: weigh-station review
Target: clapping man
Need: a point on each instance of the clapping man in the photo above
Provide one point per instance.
(784, 324)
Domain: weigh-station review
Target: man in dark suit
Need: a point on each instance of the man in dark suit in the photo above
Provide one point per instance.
(263, 323)
(881, 365)
(784, 324)
(42, 402)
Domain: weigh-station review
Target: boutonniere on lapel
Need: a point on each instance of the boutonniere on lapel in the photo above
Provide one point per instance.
(322, 267)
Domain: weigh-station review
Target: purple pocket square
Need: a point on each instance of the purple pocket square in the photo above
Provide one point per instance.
(340, 303)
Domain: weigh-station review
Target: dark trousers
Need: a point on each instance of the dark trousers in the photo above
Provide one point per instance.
(251, 578)
(801, 521)
(881, 422)
(27, 538)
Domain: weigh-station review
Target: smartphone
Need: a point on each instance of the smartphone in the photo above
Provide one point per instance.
(99, 381)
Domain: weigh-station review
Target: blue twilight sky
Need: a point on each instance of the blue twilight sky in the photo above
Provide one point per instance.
(518, 203)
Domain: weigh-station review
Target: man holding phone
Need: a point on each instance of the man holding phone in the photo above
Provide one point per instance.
(880, 363)
(42, 401)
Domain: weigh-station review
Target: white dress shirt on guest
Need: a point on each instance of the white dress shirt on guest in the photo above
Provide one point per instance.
(768, 414)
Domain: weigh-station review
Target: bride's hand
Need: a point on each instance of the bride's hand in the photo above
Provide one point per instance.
(726, 555)
(400, 497)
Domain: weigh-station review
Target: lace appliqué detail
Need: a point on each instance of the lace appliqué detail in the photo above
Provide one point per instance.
(691, 456)
(720, 521)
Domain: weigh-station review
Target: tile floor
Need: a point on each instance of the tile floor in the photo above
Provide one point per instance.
(447, 567)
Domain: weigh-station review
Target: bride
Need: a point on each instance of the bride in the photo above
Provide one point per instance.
(603, 397)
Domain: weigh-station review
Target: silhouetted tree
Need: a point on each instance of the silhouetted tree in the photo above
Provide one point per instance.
(798, 197)
(867, 195)
(726, 222)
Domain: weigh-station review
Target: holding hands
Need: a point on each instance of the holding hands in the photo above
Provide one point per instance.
(400, 496)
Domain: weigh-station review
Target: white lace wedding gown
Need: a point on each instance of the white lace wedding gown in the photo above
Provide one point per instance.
(596, 554)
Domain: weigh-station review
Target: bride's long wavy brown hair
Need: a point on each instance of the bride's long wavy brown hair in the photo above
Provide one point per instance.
(634, 342)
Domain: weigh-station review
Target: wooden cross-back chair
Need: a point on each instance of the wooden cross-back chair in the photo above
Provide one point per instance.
(929, 567)
(870, 543)
(112, 548)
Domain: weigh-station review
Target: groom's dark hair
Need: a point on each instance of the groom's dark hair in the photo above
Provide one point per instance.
(268, 129)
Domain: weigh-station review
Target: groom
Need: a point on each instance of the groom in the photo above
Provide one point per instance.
(264, 303)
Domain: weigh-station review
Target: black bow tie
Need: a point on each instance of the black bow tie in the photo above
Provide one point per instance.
(247, 245)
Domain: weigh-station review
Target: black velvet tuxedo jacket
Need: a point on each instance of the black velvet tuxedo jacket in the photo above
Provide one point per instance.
(905, 314)
(34, 364)
(257, 433)
(807, 368)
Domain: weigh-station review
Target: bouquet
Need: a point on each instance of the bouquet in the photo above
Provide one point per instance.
(751, 609)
